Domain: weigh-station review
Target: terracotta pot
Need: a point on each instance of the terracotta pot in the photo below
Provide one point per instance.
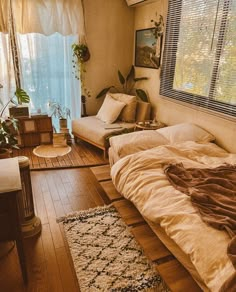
(4, 153)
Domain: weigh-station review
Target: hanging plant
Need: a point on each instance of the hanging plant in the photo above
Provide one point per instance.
(81, 51)
(81, 55)
(158, 34)
(159, 26)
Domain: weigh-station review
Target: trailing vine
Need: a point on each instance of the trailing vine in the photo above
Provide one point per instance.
(159, 26)
(81, 55)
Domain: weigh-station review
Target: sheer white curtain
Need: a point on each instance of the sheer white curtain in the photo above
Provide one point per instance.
(46, 65)
(7, 78)
(49, 16)
(45, 31)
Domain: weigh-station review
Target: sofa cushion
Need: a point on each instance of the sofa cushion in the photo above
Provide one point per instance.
(128, 112)
(143, 111)
(110, 109)
(93, 129)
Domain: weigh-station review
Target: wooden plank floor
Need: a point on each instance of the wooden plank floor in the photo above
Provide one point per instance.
(50, 268)
(49, 264)
(82, 154)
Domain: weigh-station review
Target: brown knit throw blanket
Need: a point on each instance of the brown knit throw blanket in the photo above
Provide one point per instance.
(213, 192)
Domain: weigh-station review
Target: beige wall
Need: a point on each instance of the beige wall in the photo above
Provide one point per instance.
(110, 29)
(168, 111)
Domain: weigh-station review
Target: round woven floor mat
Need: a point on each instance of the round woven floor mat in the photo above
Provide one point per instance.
(49, 151)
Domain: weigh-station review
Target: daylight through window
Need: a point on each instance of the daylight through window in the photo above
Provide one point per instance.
(199, 64)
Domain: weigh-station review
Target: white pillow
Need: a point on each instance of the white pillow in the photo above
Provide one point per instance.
(186, 132)
(110, 110)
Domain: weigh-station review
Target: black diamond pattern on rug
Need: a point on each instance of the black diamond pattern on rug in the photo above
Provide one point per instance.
(106, 255)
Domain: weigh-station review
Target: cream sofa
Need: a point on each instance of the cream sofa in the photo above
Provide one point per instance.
(95, 131)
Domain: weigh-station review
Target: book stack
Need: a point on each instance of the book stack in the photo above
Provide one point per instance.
(66, 132)
(59, 140)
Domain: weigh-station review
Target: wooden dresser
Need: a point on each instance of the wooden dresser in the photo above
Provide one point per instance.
(10, 226)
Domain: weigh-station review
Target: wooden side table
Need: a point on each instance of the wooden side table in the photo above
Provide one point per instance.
(10, 226)
(35, 130)
(149, 125)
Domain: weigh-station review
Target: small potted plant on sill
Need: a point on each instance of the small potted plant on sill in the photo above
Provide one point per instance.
(60, 112)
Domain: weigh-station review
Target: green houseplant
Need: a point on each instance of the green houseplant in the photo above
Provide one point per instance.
(128, 84)
(8, 140)
(60, 112)
(9, 125)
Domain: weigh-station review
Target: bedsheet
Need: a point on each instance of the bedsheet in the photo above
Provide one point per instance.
(141, 179)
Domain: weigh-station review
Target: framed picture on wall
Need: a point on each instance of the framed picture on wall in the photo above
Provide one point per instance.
(147, 49)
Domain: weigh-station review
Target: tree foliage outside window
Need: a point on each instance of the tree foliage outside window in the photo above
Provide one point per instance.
(199, 64)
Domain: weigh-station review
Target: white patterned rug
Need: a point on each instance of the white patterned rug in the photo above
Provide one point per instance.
(106, 255)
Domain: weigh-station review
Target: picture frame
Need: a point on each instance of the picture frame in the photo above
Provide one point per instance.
(147, 48)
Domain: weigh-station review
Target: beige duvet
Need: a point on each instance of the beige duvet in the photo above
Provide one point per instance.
(140, 178)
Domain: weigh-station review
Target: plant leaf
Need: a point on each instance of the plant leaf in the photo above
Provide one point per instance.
(103, 91)
(142, 95)
(131, 74)
(22, 96)
(121, 78)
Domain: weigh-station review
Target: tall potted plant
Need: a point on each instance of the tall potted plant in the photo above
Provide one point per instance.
(128, 85)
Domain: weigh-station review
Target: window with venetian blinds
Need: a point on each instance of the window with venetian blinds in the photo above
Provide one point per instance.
(199, 62)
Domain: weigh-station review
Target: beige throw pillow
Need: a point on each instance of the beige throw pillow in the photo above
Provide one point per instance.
(110, 109)
(129, 111)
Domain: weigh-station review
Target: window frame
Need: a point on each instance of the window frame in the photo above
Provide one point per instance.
(168, 68)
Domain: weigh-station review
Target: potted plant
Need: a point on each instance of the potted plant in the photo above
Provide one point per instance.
(81, 51)
(127, 85)
(8, 140)
(20, 96)
(60, 112)
(9, 125)
(81, 55)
